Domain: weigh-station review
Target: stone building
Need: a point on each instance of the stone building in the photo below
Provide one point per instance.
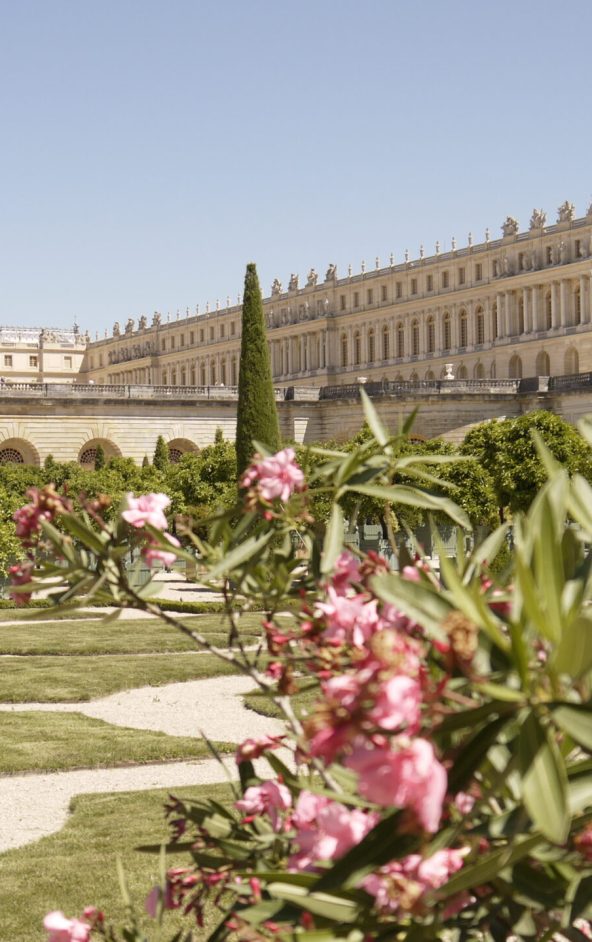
(510, 307)
(41, 354)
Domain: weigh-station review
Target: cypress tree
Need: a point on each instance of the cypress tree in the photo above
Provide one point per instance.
(257, 414)
(161, 454)
(99, 458)
(145, 462)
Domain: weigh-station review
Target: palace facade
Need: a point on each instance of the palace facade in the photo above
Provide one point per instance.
(520, 305)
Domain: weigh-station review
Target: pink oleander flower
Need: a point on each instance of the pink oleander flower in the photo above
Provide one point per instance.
(154, 553)
(154, 897)
(345, 571)
(147, 510)
(404, 883)
(583, 842)
(62, 929)
(254, 748)
(404, 774)
(21, 574)
(351, 618)
(269, 798)
(326, 829)
(464, 802)
(45, 504)
(276, 477)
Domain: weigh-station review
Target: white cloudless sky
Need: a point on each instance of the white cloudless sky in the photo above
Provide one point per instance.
(150, 148)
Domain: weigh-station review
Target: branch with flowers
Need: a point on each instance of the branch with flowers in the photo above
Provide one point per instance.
(440, 785)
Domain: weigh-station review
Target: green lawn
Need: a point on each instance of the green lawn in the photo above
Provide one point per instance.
(76, 679)
(262, 704)
(138, 636)
(76, 867)
(51, 742)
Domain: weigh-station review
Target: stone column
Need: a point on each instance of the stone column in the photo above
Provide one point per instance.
(584, 300)
(534, 296)
(555, 318)
(564, 303)
(527, 311)
(508, 299)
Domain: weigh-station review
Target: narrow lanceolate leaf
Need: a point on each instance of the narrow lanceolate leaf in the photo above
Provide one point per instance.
(573, 655)
(239, 555)
(576, 721)
(374, 422)
(486, 868)
(327, 905)
(544, 780)
(474, 753)
(333, 543)
(418, 601)
(401, 494)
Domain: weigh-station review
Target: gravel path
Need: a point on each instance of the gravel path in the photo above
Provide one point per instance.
(32, 806)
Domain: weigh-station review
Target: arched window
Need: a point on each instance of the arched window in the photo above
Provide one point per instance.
(233, 371)
(414, 377)
(548, 311)
(462, 372)
(344, 350)
(12, 456)
(164, 378)
(430, 375)
(480, 325)
(183, 376)
(479, 371)
(543, 367)
(202, 375)
(400, 340)
(173, 377)
(213, 376)
(193, 380)
(571, 362)
(385, 343)
(493, 370)
(371, 346)
(515, 367)
(463, 328)
(223, 372)
(415, 338)
(357, 348)
(431, 334)
(494, 322)
(447, 332)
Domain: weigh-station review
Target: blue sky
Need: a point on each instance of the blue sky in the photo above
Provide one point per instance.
(151, 149)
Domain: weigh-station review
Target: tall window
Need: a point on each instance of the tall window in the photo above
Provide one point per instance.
(430, 283)
(370, 296)
(494, 322)
(399, 289)
(400, 340)
(344, 351)
(414, 286)
(478, 272)
(445, 279)
(548, 311)
(464, 332)
(233, 372)
(447, 331)
(33, 361)
(415, 338)
(461, 276)
(577, 306)
(371, 346)
(431, 335)
(385, 343)
(480, 325)
(357, 348)
(520, 325)
(383, 293)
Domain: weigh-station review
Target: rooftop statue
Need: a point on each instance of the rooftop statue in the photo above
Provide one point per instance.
(142, 322)
(331, 274)
(156, 319)
(312, 278)
(293, 284)
(566, 212)
(538, 219)
(129, 326)
(276, 287)
(116, 329)
(510, 226)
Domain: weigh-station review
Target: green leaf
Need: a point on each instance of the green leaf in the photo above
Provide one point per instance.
(573, 654)
(419, 601)
(544, 780)
(487, 867)
(413, 497)
(576, 721)
(333, 543)
(474, 753)
(374, 422)
(84, 534)
(239, 555)
(328, 906)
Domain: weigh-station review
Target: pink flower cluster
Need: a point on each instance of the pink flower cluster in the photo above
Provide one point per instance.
(270, 798)
(326, 830)
(274, 478)
(45, 504)
(61, 929)
(148, 511)
(404, 883)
